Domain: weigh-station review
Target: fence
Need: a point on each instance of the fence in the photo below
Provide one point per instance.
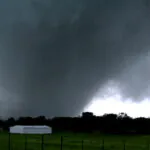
(57, 142)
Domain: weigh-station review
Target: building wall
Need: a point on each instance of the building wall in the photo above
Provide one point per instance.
(33, 130)
(16, 129)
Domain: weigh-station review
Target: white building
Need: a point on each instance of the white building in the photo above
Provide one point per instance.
(21, 129)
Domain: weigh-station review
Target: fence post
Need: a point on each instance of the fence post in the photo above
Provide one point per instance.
(148, 144)
(61, 143)
(102, 144)
(42, 142)
(124, 145)
(25, 143)
(82, 144)
(9, 141)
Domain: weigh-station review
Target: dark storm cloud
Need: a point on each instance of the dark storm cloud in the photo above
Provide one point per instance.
(55, 54)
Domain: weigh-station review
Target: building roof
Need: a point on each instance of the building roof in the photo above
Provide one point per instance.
(34, 126)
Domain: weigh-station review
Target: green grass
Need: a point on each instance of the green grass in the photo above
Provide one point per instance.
(74, 142)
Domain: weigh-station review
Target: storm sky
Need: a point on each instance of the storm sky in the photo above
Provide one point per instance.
(56, 55)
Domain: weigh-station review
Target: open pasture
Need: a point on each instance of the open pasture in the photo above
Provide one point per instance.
(70, 141)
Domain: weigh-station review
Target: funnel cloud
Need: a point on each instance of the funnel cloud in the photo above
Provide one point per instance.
(55, 55)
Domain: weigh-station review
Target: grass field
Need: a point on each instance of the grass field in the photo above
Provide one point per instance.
(75, 142)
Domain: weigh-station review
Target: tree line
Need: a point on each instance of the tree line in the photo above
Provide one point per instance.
(108, 123)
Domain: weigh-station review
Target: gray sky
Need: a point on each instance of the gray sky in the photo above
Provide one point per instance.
(56, 54)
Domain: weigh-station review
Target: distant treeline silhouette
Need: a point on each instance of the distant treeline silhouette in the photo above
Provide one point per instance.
(108, 123)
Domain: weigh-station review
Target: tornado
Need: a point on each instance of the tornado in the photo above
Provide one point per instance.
(55, 55)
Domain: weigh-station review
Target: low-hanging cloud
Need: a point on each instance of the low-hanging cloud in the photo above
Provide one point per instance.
(55, 55)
